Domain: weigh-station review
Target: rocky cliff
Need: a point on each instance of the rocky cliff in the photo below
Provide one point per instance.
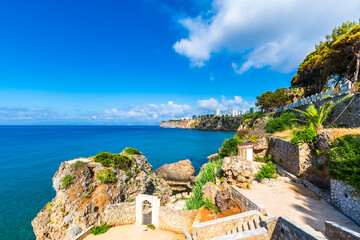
(85, 188)
(211, 123)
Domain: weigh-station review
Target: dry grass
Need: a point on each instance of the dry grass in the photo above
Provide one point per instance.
(338, 132)
(287, 134)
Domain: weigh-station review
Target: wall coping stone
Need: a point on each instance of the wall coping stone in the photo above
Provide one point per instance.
(242, 235)
(225, 219)
(329, 224)
(259, 207)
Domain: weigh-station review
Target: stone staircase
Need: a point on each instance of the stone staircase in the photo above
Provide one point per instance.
(255, 223)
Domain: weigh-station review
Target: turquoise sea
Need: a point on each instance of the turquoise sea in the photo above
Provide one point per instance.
(30, 156)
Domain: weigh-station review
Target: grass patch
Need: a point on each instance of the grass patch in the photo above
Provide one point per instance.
(305, 135)
(132, 151)
(265, 159)
(66, 180)
(267, 170)
(77, 165)
(114, 160)
(100, 229)
(106, 176)
(284, 122)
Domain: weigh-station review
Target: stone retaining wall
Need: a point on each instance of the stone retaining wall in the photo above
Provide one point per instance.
(335, 231)
(172, 219)
(344, 198)
(219, 227)
(244, 202)
(120, 213)
(285, 228)
(294, 158)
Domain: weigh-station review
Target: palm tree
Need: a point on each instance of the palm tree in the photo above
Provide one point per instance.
(315, 118)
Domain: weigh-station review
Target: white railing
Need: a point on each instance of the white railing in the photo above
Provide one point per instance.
(345, 88)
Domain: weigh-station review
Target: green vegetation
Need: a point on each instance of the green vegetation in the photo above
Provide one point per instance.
(270, 100)
(132, 151)
(208, 174)
(284, 122)
(305, 135)
(250, 118)
(150, 226)
(66, 180)
(265, 159)
(106, 176)
(107, 159)
(243, 134)
(85, 195)
(315, 118)
(77, 165)
(230, 146)
(267, 170)
(209, 205)
(344, 160)
(100, 229)
(254, 138)
(336, 58)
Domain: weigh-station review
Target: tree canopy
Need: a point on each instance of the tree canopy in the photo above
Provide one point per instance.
(338, 58)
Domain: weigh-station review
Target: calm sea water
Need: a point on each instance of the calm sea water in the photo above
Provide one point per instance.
(30, 156)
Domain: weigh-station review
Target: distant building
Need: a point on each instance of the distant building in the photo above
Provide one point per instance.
(194, 117)
(233, 112)
(217, 112)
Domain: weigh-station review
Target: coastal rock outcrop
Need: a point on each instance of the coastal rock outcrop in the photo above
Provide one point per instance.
(85, 190)
(209, 191)
(179, 175)
(223, 200)
(237, 171)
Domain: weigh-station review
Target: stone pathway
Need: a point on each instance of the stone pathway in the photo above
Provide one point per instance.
(295, 201)
(136, 232)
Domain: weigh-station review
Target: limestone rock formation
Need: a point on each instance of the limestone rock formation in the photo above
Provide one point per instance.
(179, 175)
(82, 199)
(223, 200)
(237, 171)
(210, 190)
(261, 147)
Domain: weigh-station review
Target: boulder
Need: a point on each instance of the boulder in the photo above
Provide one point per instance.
(260, 148)
(182, 171)
(210, 190)
(213, 156)
(323, 141)
(237, 171)
(179, 175)
(223, 200)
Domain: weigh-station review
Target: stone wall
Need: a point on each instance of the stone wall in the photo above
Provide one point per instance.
(244, 202)
(294, 158)
(172, 219)
(344, 197)
(335, 231)
(349, 118)
(120, 213)
(221, 226)
(280, 228)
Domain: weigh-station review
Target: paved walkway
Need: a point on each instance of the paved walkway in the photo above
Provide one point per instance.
(295, 201)
(136, 232)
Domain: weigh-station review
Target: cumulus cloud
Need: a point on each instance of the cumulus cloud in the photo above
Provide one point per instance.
(132, 114)
(277, 33)
(225, 104)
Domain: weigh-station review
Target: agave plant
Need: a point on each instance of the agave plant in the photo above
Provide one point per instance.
(315, 118)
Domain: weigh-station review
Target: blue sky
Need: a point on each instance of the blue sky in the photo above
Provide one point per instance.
(143, 61)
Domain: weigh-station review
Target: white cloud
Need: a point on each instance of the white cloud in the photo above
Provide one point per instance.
(30, 114)
(224, 105)
(277, 33)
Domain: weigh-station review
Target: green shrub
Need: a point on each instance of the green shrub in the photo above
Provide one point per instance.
(77, 165)
(253, 138)
(344, 160)
(243, 134)
(114, 160)
(230, 146)
(150, 226)
(85, 195)
(208, 174)
(106, 176)
(250, 118)
(265, 159)
(267, 170)
(284, 122)
(100, 229)
(132, 151)
(305, 135)
(66, 180)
